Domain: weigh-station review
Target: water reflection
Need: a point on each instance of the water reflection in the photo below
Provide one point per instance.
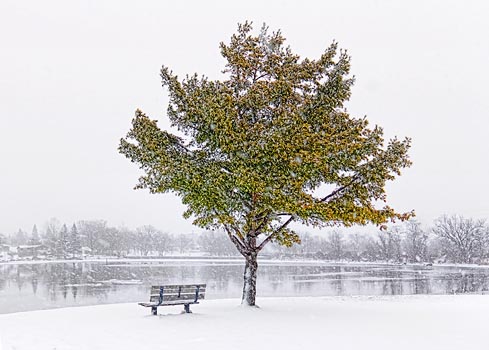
(39, 286)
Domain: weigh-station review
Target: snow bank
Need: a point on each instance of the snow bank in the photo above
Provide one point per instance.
(406, 322)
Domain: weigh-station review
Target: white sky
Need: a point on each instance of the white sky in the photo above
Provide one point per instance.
(73, 72)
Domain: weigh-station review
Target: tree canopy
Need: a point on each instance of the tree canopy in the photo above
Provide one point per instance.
(259, 145)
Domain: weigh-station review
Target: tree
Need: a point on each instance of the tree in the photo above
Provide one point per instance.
(259, 143)
(127, 244)
(52, 229)
(415, 242)
(215, 244)
(117, 241)
(336, 246)
(309, 244)
(35, 239)
(162, 243)
(145, 239)
(357, 247)
(183, 243)
(62, 244)
(92, 233)
(74, 242)
(462, 238)
(20, 238)
(390, 244)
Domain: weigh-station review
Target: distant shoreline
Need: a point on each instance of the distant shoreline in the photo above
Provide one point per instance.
(230, 260)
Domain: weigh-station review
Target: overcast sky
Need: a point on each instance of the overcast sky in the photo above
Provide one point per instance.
(73, 72)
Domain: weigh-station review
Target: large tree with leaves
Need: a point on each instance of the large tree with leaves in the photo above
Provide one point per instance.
(258, 146)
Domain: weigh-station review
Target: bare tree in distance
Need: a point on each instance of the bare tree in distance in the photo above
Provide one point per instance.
(390, 244)
(415, 242)
(462, 238)
(336, 245)
(146, 236)
(52, 229)
(91, 232)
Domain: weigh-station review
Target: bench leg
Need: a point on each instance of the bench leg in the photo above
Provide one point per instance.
(187, 308)
(154, 310)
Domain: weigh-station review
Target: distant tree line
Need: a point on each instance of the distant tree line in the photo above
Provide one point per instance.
(97, 238)
(451, 239)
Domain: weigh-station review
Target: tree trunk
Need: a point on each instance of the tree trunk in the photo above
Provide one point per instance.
(249, 287)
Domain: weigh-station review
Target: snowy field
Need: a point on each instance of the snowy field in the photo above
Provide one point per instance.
(402, 322)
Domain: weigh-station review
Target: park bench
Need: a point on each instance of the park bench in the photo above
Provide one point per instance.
(175, 295)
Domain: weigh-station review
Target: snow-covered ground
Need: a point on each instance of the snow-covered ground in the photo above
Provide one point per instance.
(406, 322)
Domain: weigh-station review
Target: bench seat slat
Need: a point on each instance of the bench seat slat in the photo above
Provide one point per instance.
(171, 292)
(176, 290)
(182, 295)
(156, 298)
(169, 286)
(168, 303)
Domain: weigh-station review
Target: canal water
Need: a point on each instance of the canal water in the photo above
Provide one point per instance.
(33, 286)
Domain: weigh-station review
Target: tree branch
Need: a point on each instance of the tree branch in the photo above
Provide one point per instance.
(239, 245)
(274, 233)
(238, 233)
(265, 218)
(341, 189)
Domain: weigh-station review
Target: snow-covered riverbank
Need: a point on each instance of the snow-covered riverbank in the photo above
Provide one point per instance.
(406, 322)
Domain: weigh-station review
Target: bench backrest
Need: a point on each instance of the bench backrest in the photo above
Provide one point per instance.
(173, 293)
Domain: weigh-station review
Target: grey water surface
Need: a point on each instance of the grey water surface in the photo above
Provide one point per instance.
(35, 286)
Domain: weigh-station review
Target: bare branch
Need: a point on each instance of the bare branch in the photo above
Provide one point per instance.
(276, 232)
(341, 189)
(265, 219)
(238, 233)
(239, 245)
